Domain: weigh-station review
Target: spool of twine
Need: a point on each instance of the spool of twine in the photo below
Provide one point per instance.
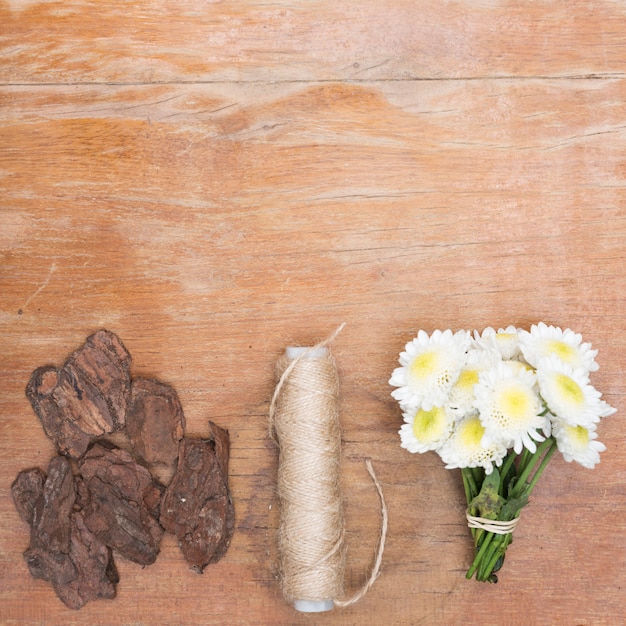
(304, 418)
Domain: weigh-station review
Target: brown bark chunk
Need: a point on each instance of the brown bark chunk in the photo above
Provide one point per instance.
(120, 502)
(114, 502)
(96, 572)
(104, 362)
(87, 397)
(26, 489)
(48, 554)
(197, 506)
(56, 420)
(62, 550)
(155, 422)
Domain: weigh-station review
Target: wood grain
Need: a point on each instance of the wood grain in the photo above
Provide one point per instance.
(215, 181)
(283, 40)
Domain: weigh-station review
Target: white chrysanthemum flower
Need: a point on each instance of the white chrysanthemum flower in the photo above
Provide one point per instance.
(429, 368)
(509, 407)
(465, 447)
(577, 443)
(606, 409)
(545, 341)
(462, 399)
(504, 340)
(568, 393)
(426, 430)
(519, 366)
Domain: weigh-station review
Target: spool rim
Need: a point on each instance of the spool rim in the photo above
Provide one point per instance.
(313, 606)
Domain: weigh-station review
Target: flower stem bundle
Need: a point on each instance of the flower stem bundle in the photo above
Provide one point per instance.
(500, 496)
(497, 405)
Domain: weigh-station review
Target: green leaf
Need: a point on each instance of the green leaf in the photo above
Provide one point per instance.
(511, 508)
(488, 502)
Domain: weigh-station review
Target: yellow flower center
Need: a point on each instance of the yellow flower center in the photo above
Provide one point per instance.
(570, 390)
(467, 379)
(516, 404)
(564, 351)
(424, 364)
(471, 433)
(506, 336)
(506, 339)
(578, 435)
(518, 366)
(429, 426)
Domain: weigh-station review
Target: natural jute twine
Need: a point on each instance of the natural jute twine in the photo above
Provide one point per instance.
(497, 527)
(304, 419)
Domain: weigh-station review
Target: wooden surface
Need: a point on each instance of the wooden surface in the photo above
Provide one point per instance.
(216, 180)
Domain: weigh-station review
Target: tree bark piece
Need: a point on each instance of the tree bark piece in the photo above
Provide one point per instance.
(104, 361)
(62, 549)
(43, 391)
(120, 501)
(48, 554)
(96, 572)
(26, 489)
(155, 422)
(87, 397)
(197, 506)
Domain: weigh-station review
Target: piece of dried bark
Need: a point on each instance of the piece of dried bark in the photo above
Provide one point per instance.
(155, 423)
(26, 490)
(120, 502)
(48, 554)
(104, 362)
(96, 572)
(56, 420)
(197, 506)
(115, 503)
(62, 550)
(87, 397)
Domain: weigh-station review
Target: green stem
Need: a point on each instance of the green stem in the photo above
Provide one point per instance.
(528, 466)
(471, 491)
(507, 466)
(491, 547)
(469, 484)
(542, 466)
(478, 475)
(479, 556)
(483, 571)
(495, 554)
(524, 458)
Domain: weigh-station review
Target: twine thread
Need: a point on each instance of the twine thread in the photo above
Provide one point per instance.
(304, 422)
(497, 527)
(380, 549)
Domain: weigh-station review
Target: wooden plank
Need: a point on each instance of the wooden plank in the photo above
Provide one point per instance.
(163, 41)
(238, 142)
(212, 225)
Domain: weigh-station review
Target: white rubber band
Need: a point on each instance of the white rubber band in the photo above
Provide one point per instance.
(492, 525)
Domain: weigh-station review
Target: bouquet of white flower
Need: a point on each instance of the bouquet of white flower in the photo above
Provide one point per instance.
(497, 405)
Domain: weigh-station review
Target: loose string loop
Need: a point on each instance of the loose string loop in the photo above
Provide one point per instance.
(380, 549)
